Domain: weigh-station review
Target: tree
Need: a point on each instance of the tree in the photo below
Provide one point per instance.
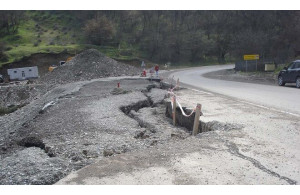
(99, 30)
(9, 21)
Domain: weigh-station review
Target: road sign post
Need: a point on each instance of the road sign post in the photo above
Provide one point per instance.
(251, 57)
(256, 65)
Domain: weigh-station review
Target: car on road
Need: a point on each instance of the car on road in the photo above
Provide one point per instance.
(290, 74)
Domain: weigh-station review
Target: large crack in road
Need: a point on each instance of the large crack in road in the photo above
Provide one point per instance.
(233, 149)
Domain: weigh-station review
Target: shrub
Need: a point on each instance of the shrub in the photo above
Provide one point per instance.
(99, 30)
(51, 42)
(7, 48)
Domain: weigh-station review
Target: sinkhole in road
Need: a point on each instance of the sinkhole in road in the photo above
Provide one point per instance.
(188, 122)
(36, 142)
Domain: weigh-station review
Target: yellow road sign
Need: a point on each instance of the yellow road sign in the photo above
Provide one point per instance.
(251, 57)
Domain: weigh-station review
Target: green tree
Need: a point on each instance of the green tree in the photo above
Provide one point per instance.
(99, 30)
(10, 21)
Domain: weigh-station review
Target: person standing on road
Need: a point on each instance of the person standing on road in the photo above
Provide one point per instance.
(143, 65)
(156, 70)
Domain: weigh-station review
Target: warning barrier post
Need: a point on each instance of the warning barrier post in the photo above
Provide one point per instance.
(196, 120)
(174, 111)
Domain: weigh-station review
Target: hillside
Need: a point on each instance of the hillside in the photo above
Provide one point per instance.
(50, 32)
(177, 36)
(40, 32)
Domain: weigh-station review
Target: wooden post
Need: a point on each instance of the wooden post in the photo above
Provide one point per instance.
(174, 111)
(196, 120)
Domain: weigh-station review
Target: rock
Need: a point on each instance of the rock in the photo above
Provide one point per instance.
(154, 142)
(32, 142)
(108, 152)
(118, 91)
(141, 135)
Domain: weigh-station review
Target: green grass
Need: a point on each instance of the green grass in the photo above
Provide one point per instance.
(48, 32)
(279, 68)
(17, 53)
(21, 51)
(42, 32)
(57, 31)
(114, 52)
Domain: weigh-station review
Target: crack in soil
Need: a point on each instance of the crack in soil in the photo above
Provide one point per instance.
(28, 142)
(233, 149)
(136, 107)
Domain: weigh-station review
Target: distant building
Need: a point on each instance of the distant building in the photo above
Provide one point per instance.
(23, 73)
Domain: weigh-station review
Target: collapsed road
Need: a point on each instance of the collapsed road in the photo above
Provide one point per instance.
(73, 125)
(246, 145)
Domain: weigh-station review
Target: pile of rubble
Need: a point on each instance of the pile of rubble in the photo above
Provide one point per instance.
(90, 64)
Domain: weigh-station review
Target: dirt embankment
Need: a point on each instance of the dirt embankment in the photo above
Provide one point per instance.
(41, 60)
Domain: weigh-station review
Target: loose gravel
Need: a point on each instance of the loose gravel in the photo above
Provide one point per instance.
(90, 64)
(86, 122)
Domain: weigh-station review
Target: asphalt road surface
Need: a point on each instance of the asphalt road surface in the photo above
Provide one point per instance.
(283, 99)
